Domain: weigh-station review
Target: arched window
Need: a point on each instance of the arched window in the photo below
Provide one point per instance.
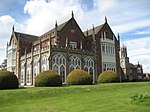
(86, 69)
(62, 73)
(44, 63)
(89, 66)
(35, 68)
(59, 65)
(35, 72)
(91, 70)
(71, 68)
(55, 68)
(28, 73)
(22, 77)
(75, 63)
(103, 48)
(28, 77)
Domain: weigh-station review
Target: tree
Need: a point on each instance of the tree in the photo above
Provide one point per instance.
(3, 66)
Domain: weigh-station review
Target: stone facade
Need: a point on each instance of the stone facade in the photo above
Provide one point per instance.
(130, 72)
(63, 49)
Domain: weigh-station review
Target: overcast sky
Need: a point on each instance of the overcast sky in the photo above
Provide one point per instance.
(129, 18)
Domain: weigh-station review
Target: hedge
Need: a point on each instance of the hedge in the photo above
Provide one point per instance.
(8, 80)
(79, 77)
(48, 78)
(108, 77)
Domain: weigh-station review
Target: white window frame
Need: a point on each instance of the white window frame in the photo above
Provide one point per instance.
(73, 45)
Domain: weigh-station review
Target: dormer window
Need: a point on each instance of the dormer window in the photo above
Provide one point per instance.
(73, 45)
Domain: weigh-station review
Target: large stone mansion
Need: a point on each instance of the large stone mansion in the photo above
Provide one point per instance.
(63, 49)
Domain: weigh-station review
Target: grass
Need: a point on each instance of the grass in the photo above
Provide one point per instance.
(116, 97)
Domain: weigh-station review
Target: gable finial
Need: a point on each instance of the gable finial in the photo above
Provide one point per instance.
(93, 26)
(105, 19)
(56, 24)
(87, 32)
(72, 14)
(118, 36)
(13, 28)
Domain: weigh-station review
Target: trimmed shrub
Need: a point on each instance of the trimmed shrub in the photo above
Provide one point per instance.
(8, 80)
(48, 78)
(79, 77)
(108, 77)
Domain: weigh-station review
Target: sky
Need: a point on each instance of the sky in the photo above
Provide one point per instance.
(129, 18)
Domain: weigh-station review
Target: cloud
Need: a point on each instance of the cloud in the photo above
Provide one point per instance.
(43, 15)
(139, 50)
(6, 22)
(143, 31)
(131, 26)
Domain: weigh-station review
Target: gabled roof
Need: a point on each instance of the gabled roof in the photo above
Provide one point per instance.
(96, 29)
(25, 37)
(59, 27)
(131, 65)
(135, 66)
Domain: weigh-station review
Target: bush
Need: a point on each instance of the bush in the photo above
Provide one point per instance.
(79, 77)
(8, 80)
(48, 78)
(108, 77)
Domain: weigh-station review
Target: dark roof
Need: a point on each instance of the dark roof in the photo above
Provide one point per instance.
(96, 29)
(131, 65)
(134, 66)
(59, 27)
(25, 37)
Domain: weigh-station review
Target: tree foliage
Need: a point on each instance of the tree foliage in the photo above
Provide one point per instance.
(3, 66)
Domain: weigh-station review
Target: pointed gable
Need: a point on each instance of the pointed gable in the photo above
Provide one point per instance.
(53, 30)
(13, 39)
(71, 31)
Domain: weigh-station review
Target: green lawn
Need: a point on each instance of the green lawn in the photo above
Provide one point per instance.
(114, 97)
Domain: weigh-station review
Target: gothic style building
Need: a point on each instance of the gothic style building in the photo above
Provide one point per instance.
(63, 49)
(130, 72)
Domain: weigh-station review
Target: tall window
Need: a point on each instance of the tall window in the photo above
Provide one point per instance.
(35, 72)
(71, 68)
(86, 69)
(55, 68)
(22, 74)
(91, 70)
(59, 65)
(22, 77)
(28, 73)
(89, 67)
(75, 63)
(62, 73)
(103, 48)
(28, 76)
(35, 68)
(44, 63)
